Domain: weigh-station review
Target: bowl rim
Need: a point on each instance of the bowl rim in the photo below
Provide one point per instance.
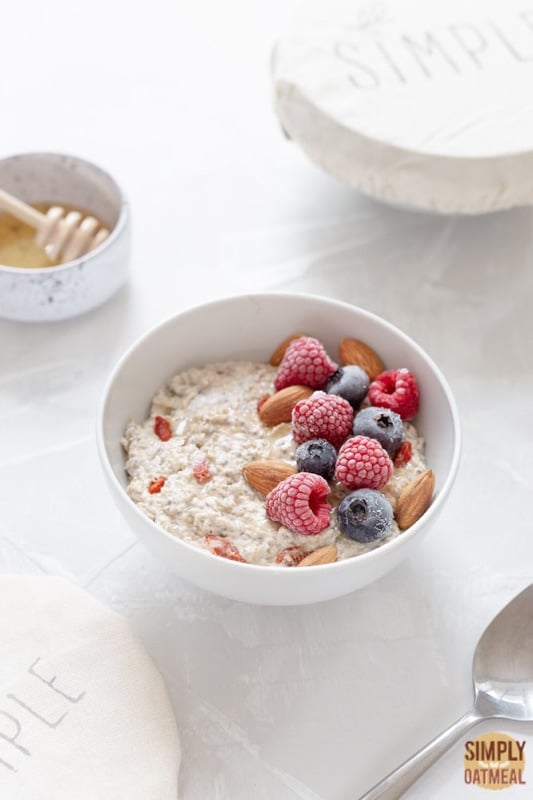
(344, 564)
(114, 233)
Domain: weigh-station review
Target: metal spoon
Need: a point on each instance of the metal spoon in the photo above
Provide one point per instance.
(503, 685)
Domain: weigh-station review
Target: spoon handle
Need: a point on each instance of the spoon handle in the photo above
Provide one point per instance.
(397, 782)
(20, 210)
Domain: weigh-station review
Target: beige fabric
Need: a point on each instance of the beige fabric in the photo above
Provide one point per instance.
(83, 712)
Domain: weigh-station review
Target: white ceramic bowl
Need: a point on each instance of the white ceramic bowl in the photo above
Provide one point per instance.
(54, 293)
(249, 327)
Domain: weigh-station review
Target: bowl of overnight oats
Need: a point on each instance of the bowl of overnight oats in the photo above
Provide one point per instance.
(277, 448)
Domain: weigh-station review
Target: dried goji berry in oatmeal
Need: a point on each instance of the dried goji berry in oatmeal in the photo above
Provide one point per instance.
(223, 547)
(403, 454)
(162, 428)
(201, 471)
(156, 485)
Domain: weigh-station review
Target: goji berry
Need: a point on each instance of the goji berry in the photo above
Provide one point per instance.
(223, 547)
(156, 485)
(403, 454)
(162, 428)
(201, 471)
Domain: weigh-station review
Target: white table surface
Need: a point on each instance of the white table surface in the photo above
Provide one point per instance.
(305, 703)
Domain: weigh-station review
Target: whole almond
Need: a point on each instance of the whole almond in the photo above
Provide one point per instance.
(279, 352)
(278, 408)
(414, 499)
(352, 351)
(265, 475)
(324, 555)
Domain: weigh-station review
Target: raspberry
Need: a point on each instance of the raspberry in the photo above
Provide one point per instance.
(305, 363)
(363, 463)
(299, 503)
(322, 416)
(396, 389)
(403, 454)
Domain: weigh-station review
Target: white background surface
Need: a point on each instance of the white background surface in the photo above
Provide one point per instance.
(279, 704)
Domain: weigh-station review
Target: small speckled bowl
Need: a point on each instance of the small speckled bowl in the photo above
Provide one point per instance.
(55, 293)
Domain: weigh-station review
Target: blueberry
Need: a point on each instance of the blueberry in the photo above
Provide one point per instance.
(317, 456)
(382, 424)
(350, 382)
(365, 515)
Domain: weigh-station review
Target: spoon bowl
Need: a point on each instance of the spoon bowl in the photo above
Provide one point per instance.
(503, 686)
(503, 662)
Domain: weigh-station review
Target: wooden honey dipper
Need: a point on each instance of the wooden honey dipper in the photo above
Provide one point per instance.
(63, 236)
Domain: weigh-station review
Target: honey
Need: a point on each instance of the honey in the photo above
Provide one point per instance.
(17, 240)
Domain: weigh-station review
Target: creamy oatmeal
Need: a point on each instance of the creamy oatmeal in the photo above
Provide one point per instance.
(216, 431)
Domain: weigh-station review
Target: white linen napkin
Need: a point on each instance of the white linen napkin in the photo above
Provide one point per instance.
(84, 713)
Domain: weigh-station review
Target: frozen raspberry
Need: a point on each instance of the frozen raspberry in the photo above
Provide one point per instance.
(363, 463)
(396, 389)
(322, 416)
(299, 503)
(305, 363)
